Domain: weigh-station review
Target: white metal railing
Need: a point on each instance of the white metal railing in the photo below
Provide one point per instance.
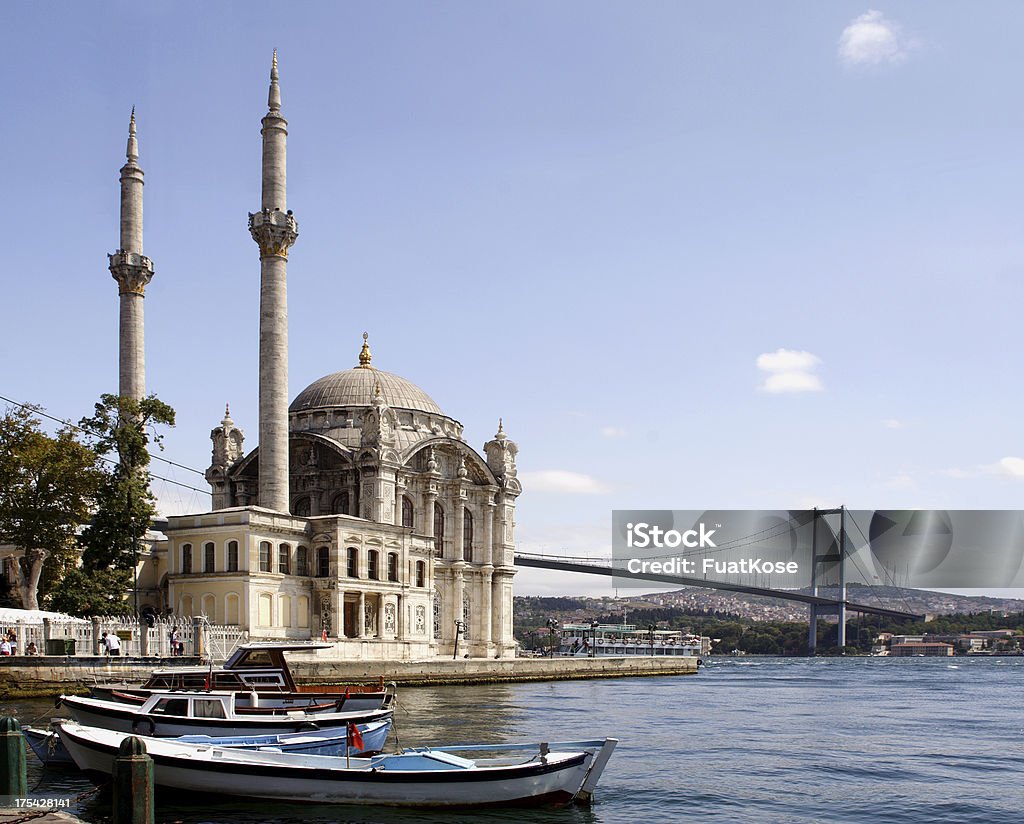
(165, 637)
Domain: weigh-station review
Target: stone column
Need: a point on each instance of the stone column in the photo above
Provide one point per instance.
(275, 230)
(486, 608)
(361, 623)
(489, 529)
(458, 590)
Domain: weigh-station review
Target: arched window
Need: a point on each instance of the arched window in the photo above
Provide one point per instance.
(438, 530)
(352, 562)
(186, 558)
(372, 567)
(408, 513)
(421, 574)
(264, 603)
(284, 610)
(302, 561)
(265, 560)
(467, 534)
(301, 508)
(339, 506)
(209, 557)
(284, 559)
(323, 562)
(185, 606)
(393, 566)
(231, 609)
(210, 608)
(233, 556)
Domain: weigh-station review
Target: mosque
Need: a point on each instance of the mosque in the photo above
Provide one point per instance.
(362, 516)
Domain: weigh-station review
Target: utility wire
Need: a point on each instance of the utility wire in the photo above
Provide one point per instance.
(36, 411)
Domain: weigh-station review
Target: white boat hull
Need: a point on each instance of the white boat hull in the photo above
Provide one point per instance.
(558, 776)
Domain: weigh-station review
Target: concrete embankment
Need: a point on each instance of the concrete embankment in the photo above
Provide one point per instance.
(30, 676)
(483, 670)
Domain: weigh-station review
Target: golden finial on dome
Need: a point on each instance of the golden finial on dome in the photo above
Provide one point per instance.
(364, 355)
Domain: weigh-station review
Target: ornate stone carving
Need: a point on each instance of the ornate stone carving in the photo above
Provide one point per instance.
(369, 617)
(501, 454)
(420, 621)
(274, 232)
(390, 619)
(132, 272)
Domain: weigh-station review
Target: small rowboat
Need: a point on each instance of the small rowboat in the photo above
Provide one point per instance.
(47, 746)
(423, 777)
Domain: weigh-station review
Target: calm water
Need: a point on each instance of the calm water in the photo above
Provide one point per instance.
(746, 740)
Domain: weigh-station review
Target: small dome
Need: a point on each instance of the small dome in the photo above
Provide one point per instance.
(356, 387)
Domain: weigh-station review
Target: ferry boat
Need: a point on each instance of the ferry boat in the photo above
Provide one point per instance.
(584, 640)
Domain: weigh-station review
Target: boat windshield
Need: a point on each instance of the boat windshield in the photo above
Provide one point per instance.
(171, 706)
(207, 708)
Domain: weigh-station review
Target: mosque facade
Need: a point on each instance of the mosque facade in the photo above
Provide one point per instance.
(362, 516)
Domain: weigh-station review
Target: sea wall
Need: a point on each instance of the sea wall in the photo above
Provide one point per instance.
(438, 671)
(26, 676)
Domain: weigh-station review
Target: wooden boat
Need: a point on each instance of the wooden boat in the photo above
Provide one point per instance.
(259, 673)
(425, 777)
(47, 746)
(170, 714)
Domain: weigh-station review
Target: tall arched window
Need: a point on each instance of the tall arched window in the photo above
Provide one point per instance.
(339, 506)
(438, 530)
(352, 562)
(186, 558)
(372, 566)
(467, 534)
(209, 557)
(421, 574)
(301, 508)
(393, 566)
(284, 553)
(323, 562)
(232, 556)
(302, 561)
(408, 513)
(265, 560)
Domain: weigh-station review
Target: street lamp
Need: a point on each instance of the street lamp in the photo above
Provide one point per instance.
(552, 626)
(459, 629)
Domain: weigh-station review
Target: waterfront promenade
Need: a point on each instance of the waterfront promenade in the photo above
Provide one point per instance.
(26, 676)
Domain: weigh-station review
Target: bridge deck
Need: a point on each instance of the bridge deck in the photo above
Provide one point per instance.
(825, 605)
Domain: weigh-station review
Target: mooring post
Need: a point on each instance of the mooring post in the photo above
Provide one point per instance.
(198, 648)
(133, 783)
(12, 768)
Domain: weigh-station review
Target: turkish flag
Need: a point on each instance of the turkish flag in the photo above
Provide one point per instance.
(355, 738)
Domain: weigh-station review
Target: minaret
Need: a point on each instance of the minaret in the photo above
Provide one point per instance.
(132, 270)
(274, 230)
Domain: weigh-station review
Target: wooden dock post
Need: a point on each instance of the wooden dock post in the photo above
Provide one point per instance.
(12, 759)
(134, 801)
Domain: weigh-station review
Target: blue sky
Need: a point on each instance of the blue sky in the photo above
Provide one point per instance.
(696, 255)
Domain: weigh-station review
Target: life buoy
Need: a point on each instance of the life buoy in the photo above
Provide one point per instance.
(143, 726)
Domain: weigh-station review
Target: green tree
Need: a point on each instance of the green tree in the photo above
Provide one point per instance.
(47, 486)
(123, 427)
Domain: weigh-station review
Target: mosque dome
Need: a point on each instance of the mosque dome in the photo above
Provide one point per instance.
(358, 387)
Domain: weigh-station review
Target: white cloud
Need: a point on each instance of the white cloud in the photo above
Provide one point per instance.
(613, 432)
(901, 481)
(790, 370)
(892, 423)
(1009, 467)
(561, 480)
(1013, 467)
(873, 40)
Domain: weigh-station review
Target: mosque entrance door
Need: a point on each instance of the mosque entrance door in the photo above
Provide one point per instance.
(351, 619)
